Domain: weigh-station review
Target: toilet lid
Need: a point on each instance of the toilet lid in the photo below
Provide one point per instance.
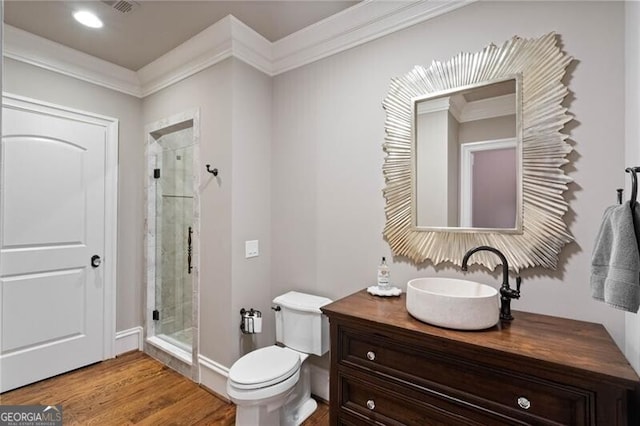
(264, 367)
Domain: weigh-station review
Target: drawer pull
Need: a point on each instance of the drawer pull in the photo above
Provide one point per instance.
(371, 355)
(371, 404)
(524, 403)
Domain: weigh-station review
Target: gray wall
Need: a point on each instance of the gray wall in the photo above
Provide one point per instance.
(27, 80)
(432, 169)
(327, 205)
(453, 171)
(251, 204)
(488, 129)
(235, 136)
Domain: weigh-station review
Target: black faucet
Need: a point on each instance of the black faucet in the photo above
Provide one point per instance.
(506, 292)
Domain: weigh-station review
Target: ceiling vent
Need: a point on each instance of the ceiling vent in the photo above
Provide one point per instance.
(122, 6)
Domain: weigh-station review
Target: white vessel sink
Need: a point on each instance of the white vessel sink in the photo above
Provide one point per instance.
(453, 303)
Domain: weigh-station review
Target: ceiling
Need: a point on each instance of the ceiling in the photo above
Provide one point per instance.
(154, 27)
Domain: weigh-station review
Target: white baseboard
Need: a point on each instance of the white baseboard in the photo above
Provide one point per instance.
(319, 381)
(128, 340)
(213, 376)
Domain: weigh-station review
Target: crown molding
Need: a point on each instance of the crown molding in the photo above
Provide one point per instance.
(41, 52)
(498, 106)
(359, 24)
(453, 104)
(463, 112)
(228, 37)
(433, 105)
(251, 47)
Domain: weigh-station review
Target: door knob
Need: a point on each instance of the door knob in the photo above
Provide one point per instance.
(95, 260)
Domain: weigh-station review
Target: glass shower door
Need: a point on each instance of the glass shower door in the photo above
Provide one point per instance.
(174, 238)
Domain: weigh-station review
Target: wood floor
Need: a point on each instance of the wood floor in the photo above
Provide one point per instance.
(133, 389)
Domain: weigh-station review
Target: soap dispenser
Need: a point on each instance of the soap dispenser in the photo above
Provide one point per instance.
(383, 274)
(384, 286)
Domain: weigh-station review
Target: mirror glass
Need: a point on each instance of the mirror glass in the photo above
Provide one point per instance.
(468, 158)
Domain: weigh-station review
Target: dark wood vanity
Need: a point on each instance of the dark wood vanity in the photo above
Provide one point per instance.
(389, 368)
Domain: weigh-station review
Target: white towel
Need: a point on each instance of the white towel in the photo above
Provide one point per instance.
(615, 264)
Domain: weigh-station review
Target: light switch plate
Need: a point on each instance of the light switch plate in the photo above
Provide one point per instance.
(251, 249)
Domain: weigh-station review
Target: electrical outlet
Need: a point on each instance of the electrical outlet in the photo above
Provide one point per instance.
(251, 249)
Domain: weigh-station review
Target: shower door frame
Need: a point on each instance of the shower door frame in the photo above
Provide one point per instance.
(175, 357)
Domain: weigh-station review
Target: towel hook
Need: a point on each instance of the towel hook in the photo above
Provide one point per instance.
(634, 183)
(212, 171)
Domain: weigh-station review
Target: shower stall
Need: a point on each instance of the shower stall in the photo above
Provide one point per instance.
(171, 246)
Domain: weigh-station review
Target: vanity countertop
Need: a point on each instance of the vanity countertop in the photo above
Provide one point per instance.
(546, 342)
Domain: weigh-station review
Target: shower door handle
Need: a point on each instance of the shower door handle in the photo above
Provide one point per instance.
(189, 251)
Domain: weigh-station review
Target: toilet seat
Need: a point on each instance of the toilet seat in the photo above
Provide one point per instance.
(264, 367)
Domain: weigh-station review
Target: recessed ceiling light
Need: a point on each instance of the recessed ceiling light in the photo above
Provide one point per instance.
(88, 18)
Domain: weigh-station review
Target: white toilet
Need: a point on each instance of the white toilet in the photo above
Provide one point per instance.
(271, 386)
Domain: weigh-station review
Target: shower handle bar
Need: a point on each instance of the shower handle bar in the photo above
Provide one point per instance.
(189, 251)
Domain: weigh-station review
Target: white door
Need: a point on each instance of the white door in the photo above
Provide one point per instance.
(52, 204)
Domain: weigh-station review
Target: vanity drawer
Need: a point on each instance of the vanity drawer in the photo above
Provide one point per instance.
(511, 392)
(367, 400)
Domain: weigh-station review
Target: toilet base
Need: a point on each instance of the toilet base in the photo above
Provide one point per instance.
(301, 414)
(261, 415)
(257, 415)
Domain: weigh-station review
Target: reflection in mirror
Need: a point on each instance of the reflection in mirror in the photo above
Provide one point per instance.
(467, 162)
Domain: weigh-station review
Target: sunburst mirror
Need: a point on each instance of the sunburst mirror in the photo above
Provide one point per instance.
(474, 156)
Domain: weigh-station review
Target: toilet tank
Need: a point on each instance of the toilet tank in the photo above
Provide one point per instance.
(300, 325)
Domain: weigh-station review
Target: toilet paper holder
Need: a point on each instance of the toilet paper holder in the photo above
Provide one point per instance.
(250, 321)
